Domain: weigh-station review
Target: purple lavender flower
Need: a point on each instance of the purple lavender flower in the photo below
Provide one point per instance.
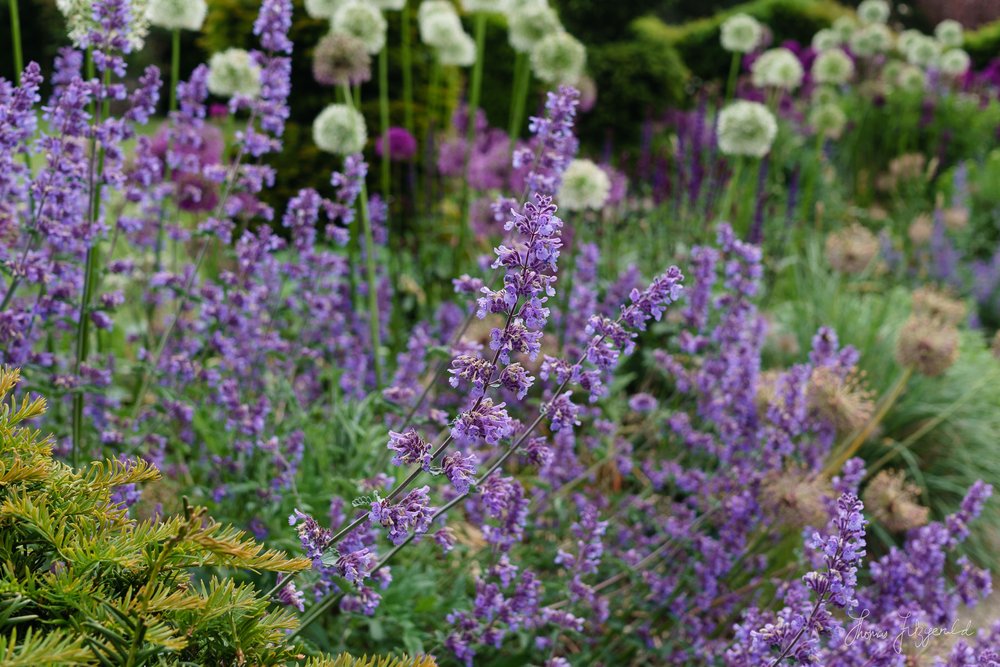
(413, 512)
(410, 448)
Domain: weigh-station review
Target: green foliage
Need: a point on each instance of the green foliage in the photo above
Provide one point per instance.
(983, 44)
(345, 660)
(636, 80)
(698, 41)
(82, 583)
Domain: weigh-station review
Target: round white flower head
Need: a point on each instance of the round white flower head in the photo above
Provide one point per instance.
(844, 26)
(430, 7)
(746, 128)
(741, 33)
(177, 14)
(911, 78)
(828, 120)
(826, 39)
(233, 72)
(923, 52)
(891, 71)
(492, 6)
(584, 186)
(558, 59)
(955, 62)
(323, 9)
(339, 129)
(874, 11)
(362, 20)
(778, 68)
(389, 5)
(531, 23)
(459, 51)
(440, 28)
(949, 32)
(80, 21)
(870, 40)
(833, 66)
(824, 95)
(906, 39)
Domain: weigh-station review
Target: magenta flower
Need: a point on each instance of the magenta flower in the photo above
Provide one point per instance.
(402, 145)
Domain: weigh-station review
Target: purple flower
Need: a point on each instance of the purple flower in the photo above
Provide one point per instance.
(643, 402)
(485, 421)
(402, 145)
(460, 469)
(412, 512)
(410, 448)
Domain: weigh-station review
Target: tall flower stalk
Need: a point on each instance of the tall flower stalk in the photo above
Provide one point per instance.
(15, 40)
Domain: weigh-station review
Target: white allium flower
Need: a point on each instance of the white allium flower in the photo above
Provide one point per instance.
(460, 51)
(362, 20)
(911, 78)
(431, 7)
(746, 128)
(845, 26)
(323, 9)
(584, 186)
(778, 68)
(741, 33)
(874, 11)
(826, 39)
(79, 15)
(828, 120)
(177, 14)
(493, 6)
(558, 59)
(955, 62)
(870, 40)
(530, 23)
(824, 95)
(339, 129)
(949, 32)
(440, 28)
(907, 38)
(924, 52)
(233, 72)
(833, 66)
(389, 5)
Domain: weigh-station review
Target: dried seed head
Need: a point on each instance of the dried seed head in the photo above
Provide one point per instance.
(851, 249)
(956, 218)
(927, 345)
(796, 497)
(842, 402)
(893, 502)
(938, 305)
(341, 59)
(921, 229)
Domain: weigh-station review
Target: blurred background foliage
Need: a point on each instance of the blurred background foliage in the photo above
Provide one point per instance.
(645, 56)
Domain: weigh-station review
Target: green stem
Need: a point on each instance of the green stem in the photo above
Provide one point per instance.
(373, 314)
(734, 184)
(407, 72)
(519, 96)
(15, 34)
(475, 91)
(175, 67)
(383, 107)
(734, 70)
(808, 205)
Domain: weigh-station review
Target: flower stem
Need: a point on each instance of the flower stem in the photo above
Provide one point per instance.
(15, 34)
(175, 67)
(407, 71)
(808, 205)
(383, 108)
(734, 70)
(519, 96)
(475, 90)
(373, 314)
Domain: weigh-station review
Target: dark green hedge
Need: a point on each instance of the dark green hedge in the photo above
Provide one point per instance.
(984, 44)
(698, 41)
